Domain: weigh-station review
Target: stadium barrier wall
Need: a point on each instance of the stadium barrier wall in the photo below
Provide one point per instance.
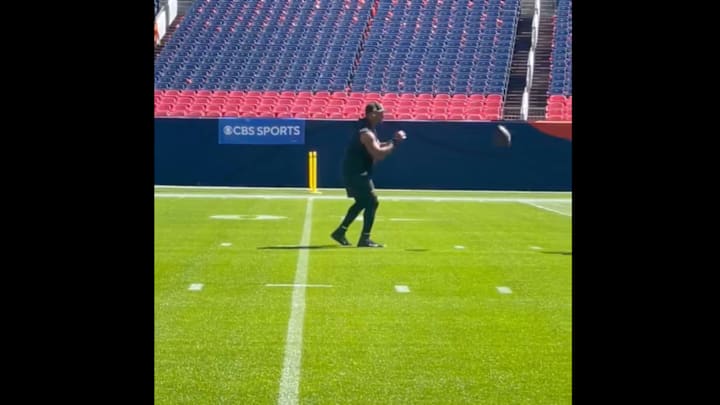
(437, 155)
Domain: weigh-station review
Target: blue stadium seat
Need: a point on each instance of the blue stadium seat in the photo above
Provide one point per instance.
(247, 45)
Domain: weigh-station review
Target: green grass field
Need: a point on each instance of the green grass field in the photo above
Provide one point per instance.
(348, 336)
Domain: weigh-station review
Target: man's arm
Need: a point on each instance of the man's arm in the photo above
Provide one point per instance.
(377, 150)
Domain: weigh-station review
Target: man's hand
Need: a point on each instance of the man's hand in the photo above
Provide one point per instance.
(399, 136)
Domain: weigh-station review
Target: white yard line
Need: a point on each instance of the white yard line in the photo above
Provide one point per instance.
(504, 290)
(342, 189)
(546, 208)
(340, 197)
(290, 378)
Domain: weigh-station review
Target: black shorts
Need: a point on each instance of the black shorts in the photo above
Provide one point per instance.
(359, 187)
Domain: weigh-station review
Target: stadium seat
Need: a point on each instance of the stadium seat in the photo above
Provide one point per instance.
(259, 53)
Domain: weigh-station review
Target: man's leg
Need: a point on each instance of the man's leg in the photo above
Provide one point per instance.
(371, 204)
(352, 192)
(352, 213)
(369, 216)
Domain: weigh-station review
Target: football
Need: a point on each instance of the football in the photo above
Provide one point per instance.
(502, 137)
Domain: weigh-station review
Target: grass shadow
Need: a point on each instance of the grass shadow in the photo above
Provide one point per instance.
(555, 252)
(291, 247)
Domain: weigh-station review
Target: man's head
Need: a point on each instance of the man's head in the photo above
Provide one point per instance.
(374, 112)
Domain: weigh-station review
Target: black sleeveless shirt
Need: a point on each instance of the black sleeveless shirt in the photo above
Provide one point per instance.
(357, 159)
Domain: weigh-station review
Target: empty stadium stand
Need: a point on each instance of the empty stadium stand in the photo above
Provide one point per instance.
(559, 105)
(325, 59)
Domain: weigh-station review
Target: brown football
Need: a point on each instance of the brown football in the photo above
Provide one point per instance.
(502, 137)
